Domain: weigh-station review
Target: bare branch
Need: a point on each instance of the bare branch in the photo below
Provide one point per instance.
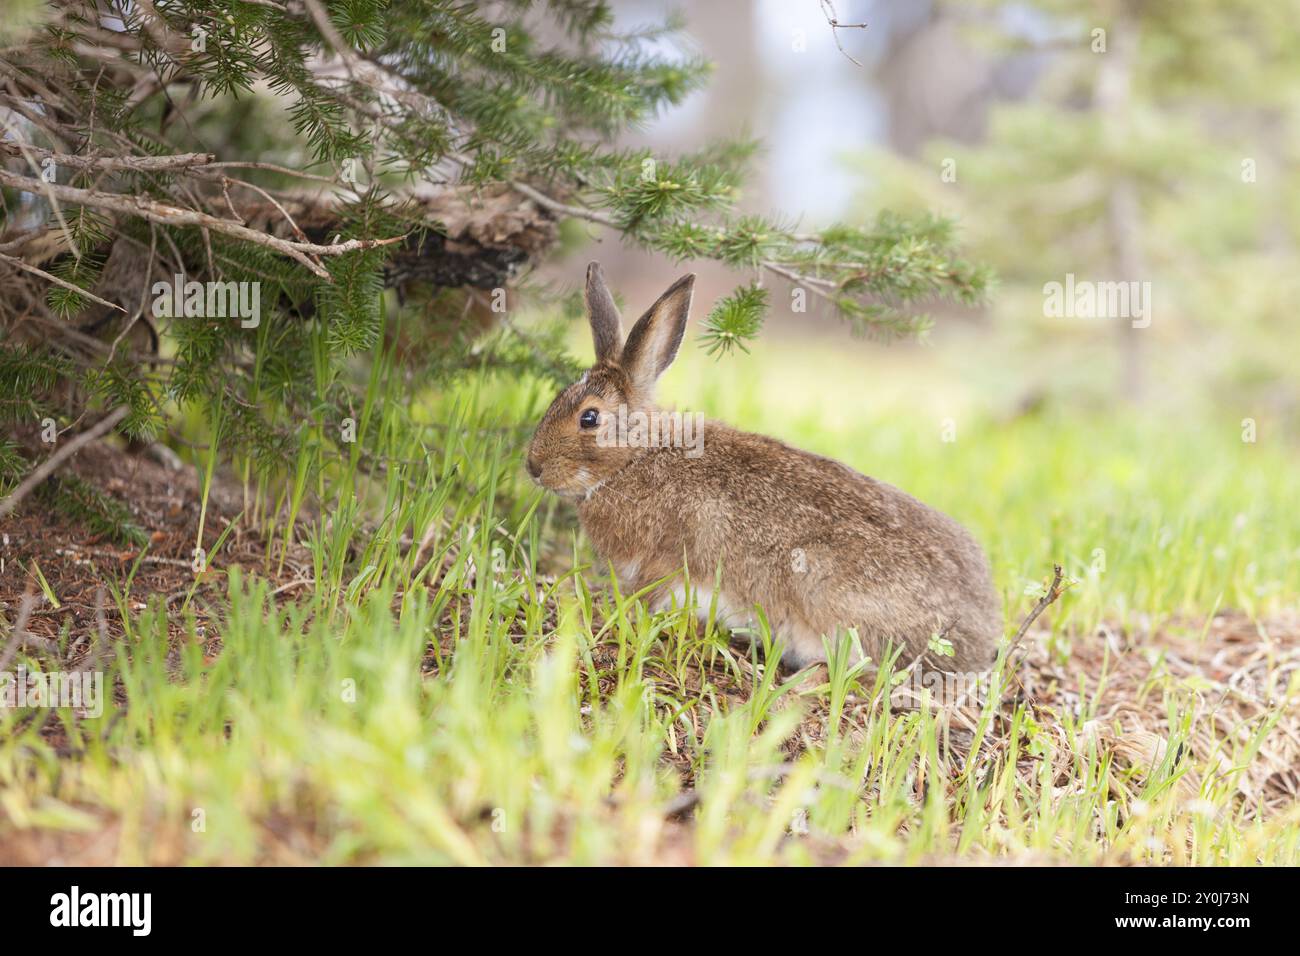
(828, 10)
(28, 267)
(174, 216)
(51, 464)
(139, 164)
(562, 209)
(1049, 596)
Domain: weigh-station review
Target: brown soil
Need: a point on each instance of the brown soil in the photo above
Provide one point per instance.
(78, 564)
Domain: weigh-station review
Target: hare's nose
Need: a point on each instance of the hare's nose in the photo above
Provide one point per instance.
(534, 469)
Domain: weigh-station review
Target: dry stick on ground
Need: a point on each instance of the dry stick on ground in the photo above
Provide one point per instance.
(19, 631)
(51, 464)
(100, 643)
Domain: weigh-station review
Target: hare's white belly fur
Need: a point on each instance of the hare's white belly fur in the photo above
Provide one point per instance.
(800, 646)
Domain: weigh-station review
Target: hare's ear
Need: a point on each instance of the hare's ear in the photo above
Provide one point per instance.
(653, 342)
(606, 329)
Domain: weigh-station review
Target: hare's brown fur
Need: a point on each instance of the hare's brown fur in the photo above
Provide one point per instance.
(818, 546)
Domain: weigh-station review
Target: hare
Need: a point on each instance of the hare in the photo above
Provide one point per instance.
(818, 546)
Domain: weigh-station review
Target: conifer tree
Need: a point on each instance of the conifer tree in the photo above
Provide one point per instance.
(355, 160)
(1152, 149)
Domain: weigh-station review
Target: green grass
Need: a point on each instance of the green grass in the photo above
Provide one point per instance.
(461, 685)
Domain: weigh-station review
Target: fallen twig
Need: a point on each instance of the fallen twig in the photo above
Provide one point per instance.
(51, 464)
(19, 630)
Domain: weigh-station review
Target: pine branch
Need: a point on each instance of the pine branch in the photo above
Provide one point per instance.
(471, 132)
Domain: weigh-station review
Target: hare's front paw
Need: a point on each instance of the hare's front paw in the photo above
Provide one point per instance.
(802, 648)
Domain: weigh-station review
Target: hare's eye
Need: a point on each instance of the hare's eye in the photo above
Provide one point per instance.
(589, 418)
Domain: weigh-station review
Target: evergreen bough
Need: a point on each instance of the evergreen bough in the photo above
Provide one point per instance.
(320, 122)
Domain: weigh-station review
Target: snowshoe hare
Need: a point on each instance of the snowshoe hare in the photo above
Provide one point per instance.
(818, 546)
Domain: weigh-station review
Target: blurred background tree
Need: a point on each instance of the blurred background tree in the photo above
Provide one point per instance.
(1120, 140)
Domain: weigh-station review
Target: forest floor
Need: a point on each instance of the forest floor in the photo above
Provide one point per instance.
(1113, 683)
(425, 664)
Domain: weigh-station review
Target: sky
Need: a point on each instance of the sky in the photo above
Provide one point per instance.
(810, 105)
